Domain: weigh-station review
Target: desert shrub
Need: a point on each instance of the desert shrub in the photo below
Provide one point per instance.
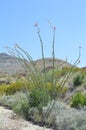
(7, 100)
(58, 73)
(64, 71)
(35, 115)
(76, 69)
(39, 97)
(78, 79)
(22, 106)
(55, 113)
(56, 91)
(64, 91)
(12, 88)
(62, 117)
(18, 102)
(3, 89)
(78, 100)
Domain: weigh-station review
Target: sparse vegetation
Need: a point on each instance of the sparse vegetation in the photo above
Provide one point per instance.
(39, 96)
(62, 117)
(56, 113)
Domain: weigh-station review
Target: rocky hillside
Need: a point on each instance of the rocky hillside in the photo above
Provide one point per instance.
(11, 65)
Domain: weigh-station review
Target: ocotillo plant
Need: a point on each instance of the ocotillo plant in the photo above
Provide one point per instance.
(38, 78)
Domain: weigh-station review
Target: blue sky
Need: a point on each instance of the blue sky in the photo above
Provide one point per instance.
(17, 18)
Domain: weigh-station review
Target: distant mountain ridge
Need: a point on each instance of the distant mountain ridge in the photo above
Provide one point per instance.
(11, 65)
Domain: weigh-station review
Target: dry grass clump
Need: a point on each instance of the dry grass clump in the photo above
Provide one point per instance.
(63, 117)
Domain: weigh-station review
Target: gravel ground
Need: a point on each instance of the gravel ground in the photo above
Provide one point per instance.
(10, 121)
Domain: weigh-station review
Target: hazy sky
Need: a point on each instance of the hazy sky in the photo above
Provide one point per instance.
(17, 18)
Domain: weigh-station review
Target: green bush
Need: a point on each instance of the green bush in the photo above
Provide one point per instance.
(78, 100)
(78, 79)
(39, 97)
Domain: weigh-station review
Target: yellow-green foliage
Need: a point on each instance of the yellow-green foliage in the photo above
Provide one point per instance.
(78, 100)
(11, 88)
(56, 89)
(3, 88)
(64, 90)
(76, 69)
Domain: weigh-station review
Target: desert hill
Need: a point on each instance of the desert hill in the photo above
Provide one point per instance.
(11, 65)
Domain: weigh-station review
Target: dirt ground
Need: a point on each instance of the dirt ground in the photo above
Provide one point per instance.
(10, 121)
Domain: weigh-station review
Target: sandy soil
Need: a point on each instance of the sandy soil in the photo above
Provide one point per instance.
(10, 121)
